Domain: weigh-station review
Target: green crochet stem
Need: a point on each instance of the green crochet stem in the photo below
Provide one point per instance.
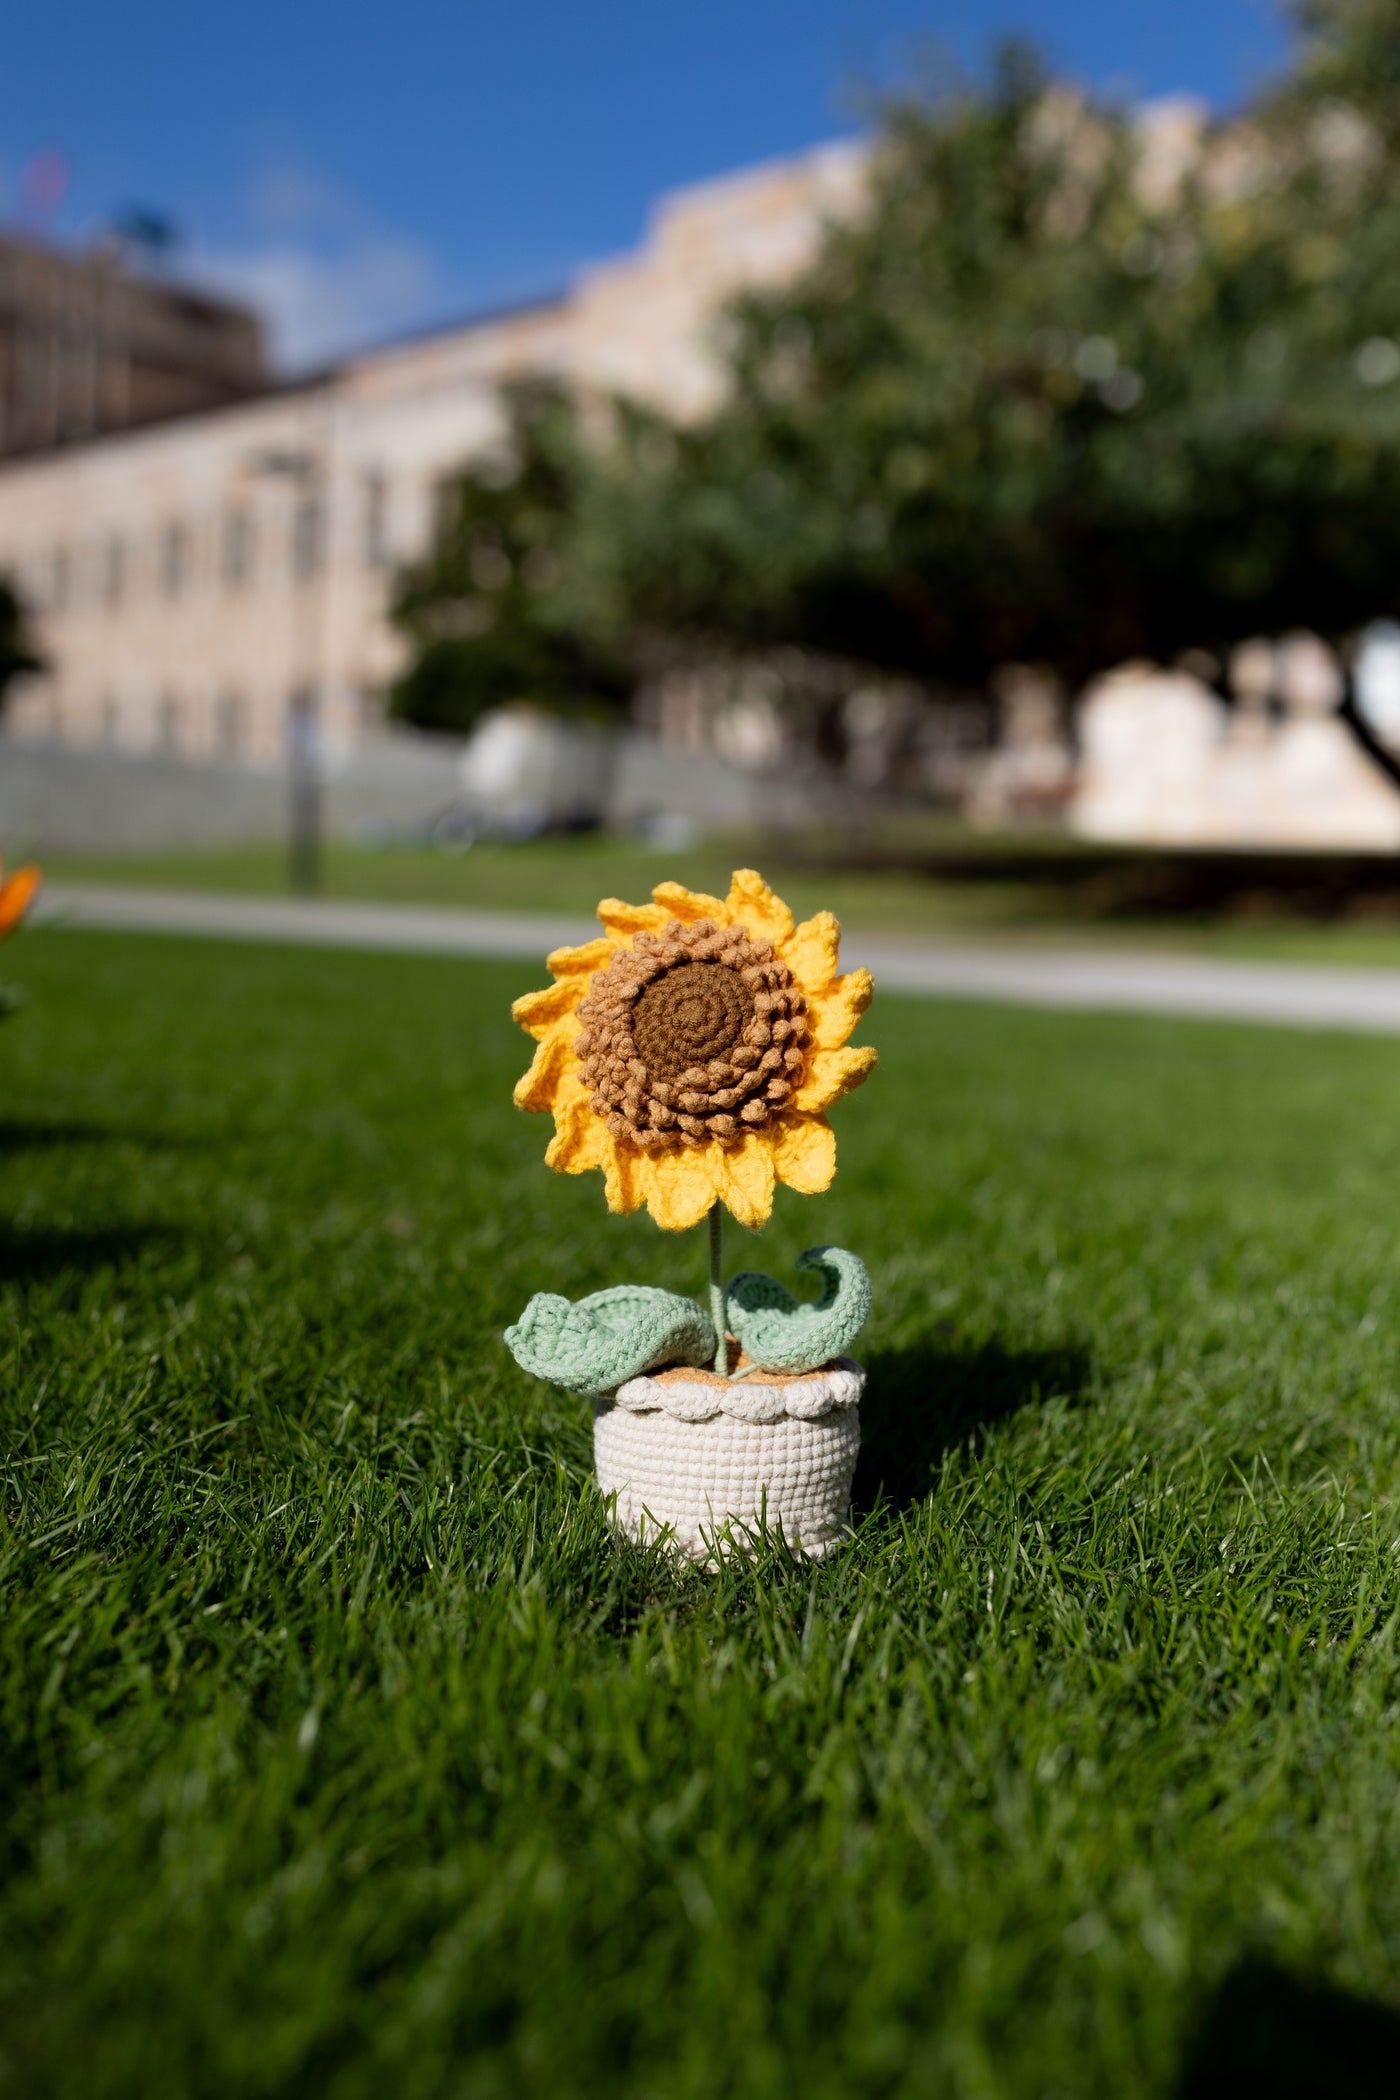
(717, 1287)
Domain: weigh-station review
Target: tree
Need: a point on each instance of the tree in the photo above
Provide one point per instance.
(496, 611)
(1059, 396)
(1048, 403)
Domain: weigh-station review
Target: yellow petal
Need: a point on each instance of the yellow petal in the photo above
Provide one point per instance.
(686, 905)
(834, 1013)
(742, 1177)
(804, 1154)
(539, 1086)
(574, 962)
(678, 1187)
(752, 902)
(538, 1011)
(622, 1170)
(577, 1143)
(810, 952)
(830, 1074)
(623, 920)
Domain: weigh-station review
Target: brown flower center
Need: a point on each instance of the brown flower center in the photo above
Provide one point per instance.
(692, 1036)
(694, 1013)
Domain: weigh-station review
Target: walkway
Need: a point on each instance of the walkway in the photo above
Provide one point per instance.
(1298, 995)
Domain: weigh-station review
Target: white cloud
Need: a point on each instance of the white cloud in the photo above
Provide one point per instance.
(320, 306)
(286, 198)
(327, 275)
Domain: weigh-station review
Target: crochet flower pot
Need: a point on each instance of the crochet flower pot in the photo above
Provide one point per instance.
(691, 1054)
(709, 1462)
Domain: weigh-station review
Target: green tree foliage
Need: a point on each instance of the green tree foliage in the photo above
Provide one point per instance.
(18, 654)
(1349, 55)
(1042, 403)
(1067, 391)
(492, 612)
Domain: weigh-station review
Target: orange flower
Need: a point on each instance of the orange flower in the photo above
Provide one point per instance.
(17, 893)
(692, 1050)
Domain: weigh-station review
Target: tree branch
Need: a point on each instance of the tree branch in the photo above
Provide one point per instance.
(1362, 731)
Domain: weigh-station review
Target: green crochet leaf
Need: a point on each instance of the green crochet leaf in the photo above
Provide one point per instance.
(782, 1333)
(597, 1345)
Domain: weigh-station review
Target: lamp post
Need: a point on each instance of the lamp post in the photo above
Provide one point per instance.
(304, 803)
(304, 471)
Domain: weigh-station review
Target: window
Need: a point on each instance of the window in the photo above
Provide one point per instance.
(306, 539)
(237, 558)
(114, 572)
(168, 723)
(376, 522)
(229, 725)
(174, 559)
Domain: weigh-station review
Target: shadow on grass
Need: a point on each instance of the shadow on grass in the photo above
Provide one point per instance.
(40, 1256)
(921, 1402)
(32, 1134)
(1268, 2032)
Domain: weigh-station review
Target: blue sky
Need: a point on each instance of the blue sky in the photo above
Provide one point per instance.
(364, 169)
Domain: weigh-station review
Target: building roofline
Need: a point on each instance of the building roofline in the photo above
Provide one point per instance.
(462, 324)
(309, 382)
(136, 433)
(358, 361)
(123, 267)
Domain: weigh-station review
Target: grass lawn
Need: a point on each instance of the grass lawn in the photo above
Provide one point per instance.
(344, 1754)
(571, 874)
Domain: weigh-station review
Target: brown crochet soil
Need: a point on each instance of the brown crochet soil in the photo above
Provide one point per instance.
(687, 1374)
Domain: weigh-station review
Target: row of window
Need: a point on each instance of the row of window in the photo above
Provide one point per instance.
(171, 727)
(106, 577)
(221, 727)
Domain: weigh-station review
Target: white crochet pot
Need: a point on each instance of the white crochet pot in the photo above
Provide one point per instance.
(691, 1451)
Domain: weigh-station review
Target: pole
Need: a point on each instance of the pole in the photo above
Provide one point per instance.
(304, 841)
(306, 473)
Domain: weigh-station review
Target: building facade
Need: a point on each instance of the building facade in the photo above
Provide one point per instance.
(201, 586)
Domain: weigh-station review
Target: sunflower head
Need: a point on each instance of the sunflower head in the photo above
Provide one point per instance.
(691, 1051)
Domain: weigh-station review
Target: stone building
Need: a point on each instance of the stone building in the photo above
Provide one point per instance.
(86, 348)
(201, 585)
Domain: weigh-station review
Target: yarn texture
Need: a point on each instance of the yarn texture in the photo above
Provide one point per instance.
(691, 1036)
(781, 1455)
(834, 1385)
(692, 1052)
(782, 1333)
(604, 1341)
(594, 1346)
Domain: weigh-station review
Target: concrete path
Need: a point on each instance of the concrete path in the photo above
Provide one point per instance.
(308, 922)
(1297, 995)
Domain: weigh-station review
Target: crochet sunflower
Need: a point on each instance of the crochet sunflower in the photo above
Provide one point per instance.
(17, 893)
(692, 1051)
